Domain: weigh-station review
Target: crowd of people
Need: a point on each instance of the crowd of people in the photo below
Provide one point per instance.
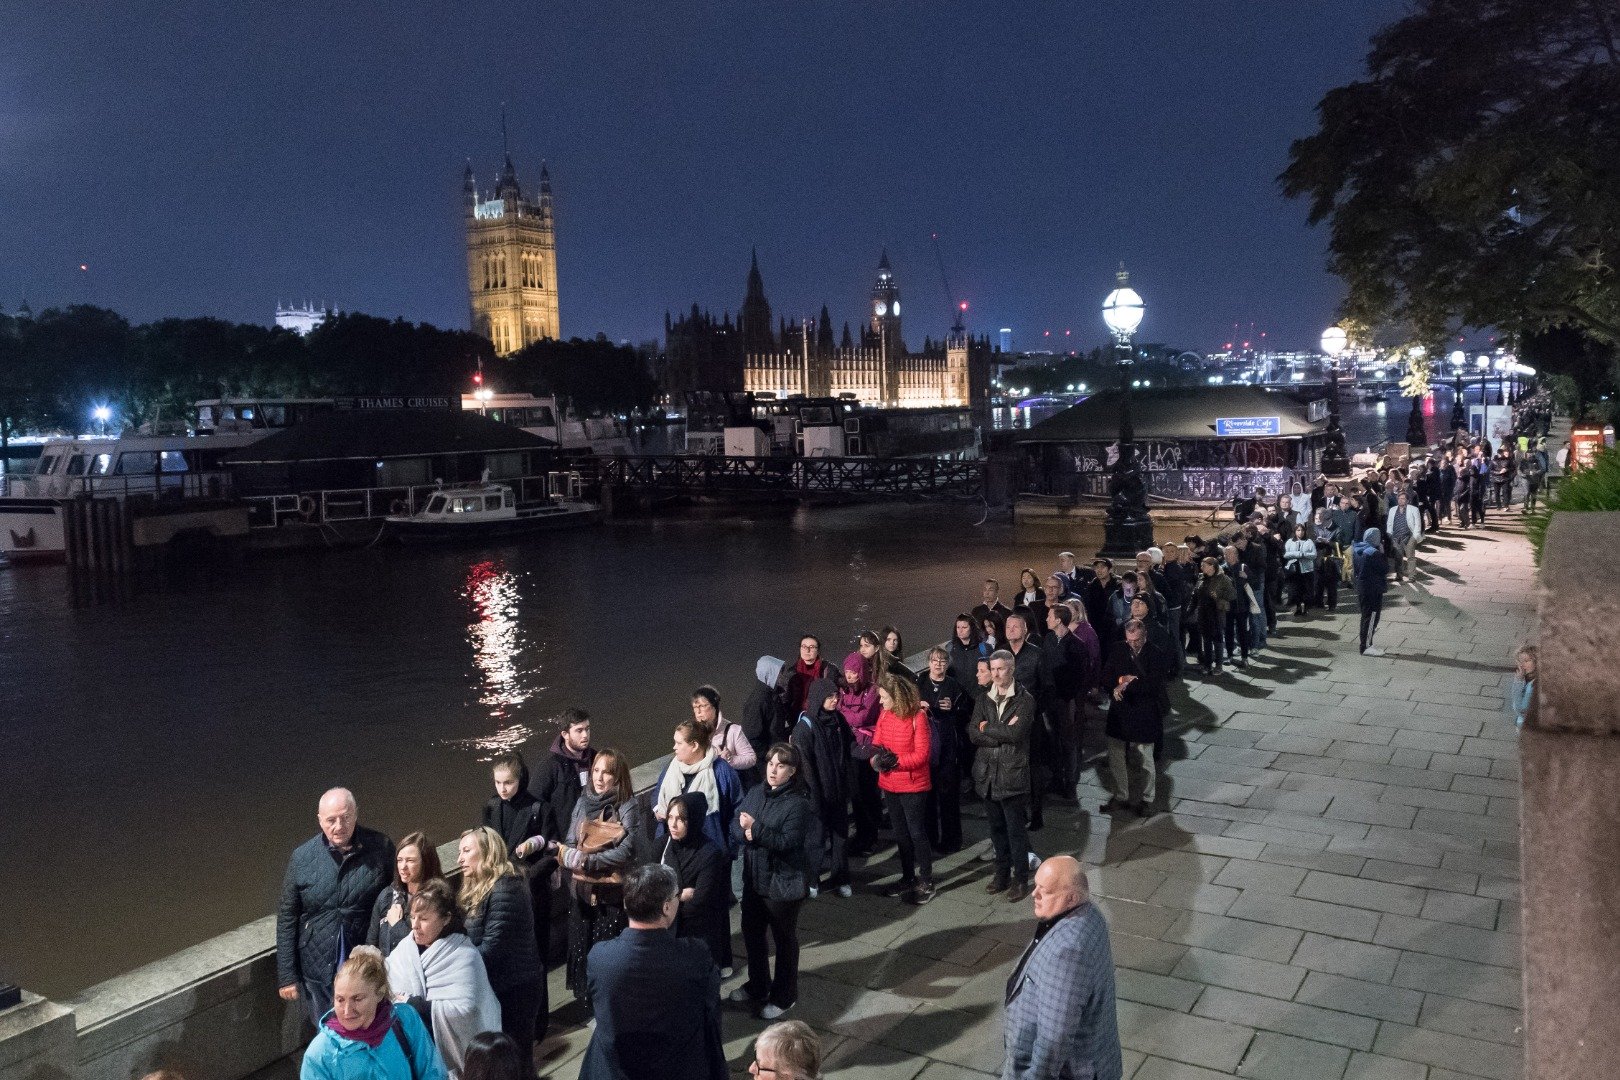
(410, 977)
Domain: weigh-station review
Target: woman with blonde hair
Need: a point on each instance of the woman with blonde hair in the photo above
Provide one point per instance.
(363, 1036)
(499, 917)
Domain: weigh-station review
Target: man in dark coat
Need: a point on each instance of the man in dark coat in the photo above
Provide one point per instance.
(1002, 722)
(991, 607)
(1063, 675)
(1098, 596)
(1032, 677)
(1133, 679)
(824, 742)
(949, 707)
(656, 996)
(559, 780)
(762, 721)
(332, 881)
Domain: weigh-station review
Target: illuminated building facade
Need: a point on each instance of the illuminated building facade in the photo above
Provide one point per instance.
(511, 261)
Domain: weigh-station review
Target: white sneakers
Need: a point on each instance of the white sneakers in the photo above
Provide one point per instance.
(1372, 650)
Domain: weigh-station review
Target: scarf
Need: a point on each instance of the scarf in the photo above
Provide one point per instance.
(698, 777)
(373, 1033)
(450, 974)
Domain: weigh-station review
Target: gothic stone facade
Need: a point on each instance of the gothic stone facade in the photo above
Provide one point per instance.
(511, 262)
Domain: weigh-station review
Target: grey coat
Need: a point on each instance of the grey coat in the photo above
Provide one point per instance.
(1062, 1023)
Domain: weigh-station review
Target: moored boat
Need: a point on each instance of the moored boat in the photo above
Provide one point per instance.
(480, 511)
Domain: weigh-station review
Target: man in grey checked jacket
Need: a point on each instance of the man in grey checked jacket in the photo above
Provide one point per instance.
(1061, 1022)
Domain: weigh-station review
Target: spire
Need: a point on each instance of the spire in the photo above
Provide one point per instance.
(508, 183)
(883, 263)
(755, 317)
(824, 332)
(469, 189)
(848, 342)
(545, 179)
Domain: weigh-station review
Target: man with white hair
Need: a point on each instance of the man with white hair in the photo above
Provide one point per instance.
(1061, 1016)
(332, 881)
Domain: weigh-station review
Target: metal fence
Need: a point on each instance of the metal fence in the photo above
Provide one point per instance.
(336, 505)
(1179, 485)
(703, 474)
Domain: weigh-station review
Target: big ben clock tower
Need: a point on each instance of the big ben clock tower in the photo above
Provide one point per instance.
(886, 310)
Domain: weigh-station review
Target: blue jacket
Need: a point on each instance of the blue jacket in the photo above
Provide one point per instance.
(332, 1057)
(1062, 1023)
(715, 825)
(1371, 569)
(657, 1003)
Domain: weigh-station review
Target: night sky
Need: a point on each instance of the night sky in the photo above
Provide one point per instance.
(208, 158)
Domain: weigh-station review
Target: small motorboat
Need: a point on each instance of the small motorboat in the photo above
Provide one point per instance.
(480, 511)
(1377, 393)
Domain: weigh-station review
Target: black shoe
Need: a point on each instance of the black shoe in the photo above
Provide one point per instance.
(1114, 806)
(1145, 810)
(996, 884)
(1017, 891)
(923, 893)
(900, 888)
(1036, 824)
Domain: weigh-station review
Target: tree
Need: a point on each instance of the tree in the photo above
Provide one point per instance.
(1471, 179)
(594, 376)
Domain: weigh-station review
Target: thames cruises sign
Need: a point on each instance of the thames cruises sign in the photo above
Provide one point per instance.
(368, 403)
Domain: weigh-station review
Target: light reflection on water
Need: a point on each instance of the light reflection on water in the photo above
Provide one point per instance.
(505, 677)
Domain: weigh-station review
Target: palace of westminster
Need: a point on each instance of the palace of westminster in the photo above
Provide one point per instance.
(512, 286)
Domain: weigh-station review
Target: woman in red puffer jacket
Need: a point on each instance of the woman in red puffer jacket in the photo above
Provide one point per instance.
(901, 746)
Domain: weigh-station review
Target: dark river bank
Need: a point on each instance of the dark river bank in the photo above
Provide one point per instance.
(159, 760)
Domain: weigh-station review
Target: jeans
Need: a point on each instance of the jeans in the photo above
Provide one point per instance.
(1504, 493)
(779, 918)
(1237, 631)
(1123, 759)
(1008, 836)
(317, 998)
(908, 814)
(1530, 493)
(1369, 624)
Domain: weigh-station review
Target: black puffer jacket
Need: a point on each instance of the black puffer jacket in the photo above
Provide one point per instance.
(326, 904)
(503, 930)
(775, 861)
(556, 784)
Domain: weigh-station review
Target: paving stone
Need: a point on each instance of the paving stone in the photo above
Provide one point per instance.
(1362, 998)
(1267, 834)
(1162, 833)
(1334, 784)
(1339, 731)
(1204, 1041)
(1454, 907)
(1410, 759)
(1354, 959)
(1433, 741)
(1492, 748)
(1241, 973)
(1466, 825)
(1485, 785)
(1393, 774)
(1155, 1068)
(1457, 801)
(1447, 939)
(1262, 877)
(1192, 787)
(1304, 763)
(1370, 812)
(1227, 737)
(1235, 755)
(1459, 978)
(1179, 864)
(1362, 892)
(1224, 773)
(1328, 825)
(1134, 917)
(1160, 990)
(1422, 877)
(1292, 744)
(1305, 914)
(1292, 802)
(1224, 811)
(1445, 1050)
(1472, 1019)
(1238, 936)
(1461, 764)
(1195, 895)
(1329, 862)
(1124, 881)
(1283, 1057)
(1288, 1017)
(1356, 751)
(1364, 1066)
(1145, 954)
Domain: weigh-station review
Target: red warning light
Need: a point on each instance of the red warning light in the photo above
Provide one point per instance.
(478, 378)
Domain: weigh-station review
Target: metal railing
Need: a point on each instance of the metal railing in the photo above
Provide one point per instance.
(205, 484)
(704, 474)
(337, 505)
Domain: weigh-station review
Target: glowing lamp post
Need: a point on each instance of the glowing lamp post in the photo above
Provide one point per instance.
(102, 414)
(1128, 528)
(1459, 414)
(1334, 461)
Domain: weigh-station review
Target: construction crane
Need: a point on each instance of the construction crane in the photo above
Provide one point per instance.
(958, 310)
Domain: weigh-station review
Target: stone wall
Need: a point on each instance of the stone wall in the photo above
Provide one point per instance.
(1570, 816)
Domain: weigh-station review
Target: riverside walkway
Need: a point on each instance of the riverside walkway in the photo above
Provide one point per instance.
(1333, 896)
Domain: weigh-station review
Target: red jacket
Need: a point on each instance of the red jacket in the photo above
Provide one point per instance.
(909, 741)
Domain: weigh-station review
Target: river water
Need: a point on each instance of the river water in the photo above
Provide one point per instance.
(159, 760)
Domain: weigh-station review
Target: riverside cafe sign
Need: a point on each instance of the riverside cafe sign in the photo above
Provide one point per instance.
(1248, 427)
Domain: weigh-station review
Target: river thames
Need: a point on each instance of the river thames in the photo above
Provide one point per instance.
(159, 760)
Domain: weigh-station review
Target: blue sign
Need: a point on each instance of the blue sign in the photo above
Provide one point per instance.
(1248, 425)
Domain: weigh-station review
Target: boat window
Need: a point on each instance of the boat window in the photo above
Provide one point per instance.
(134, 462)
(173, 461)
(75, 466)
(506, 498)
(459, 506)
(101, 465)
(436, 505)
(492, 502)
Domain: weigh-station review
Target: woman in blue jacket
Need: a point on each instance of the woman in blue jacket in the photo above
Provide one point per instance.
(363, 1036)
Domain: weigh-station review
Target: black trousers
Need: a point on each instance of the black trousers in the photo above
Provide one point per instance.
(519, 1004)
(1369, 623)
(1304, 587)
(908, 813)
(829, 853)
(867, 803)
(1209, 639)
(1479, 504)
(1237, 632)
(779, 919)
(1327, 584)
(944, 808)
(1008, 836)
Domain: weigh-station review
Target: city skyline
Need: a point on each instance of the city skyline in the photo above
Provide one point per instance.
(229, 175)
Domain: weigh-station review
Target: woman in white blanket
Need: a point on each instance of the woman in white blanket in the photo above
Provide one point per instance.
(439, 973)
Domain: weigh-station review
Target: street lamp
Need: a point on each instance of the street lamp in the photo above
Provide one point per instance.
(1334, 461)
(102, 414)
(1415, 435)
(1128, 528)
(1459, 414)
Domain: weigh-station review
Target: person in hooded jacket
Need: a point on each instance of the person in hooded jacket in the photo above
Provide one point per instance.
(824, 743)
(762, 721)
(1371, 571)
(858, 702)
(701, 875)
(519, 818)
(949, 709)
(565, 773)
(771, 827)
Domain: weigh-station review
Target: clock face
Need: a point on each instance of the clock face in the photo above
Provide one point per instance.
(897, 307)
(881, 308)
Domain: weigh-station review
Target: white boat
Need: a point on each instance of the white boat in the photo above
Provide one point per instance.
(161, 468)
(479, 511)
